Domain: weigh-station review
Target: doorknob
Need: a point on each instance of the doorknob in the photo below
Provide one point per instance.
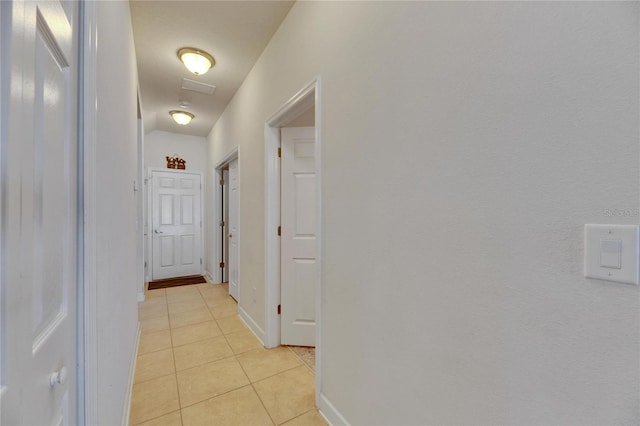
(58, 377)
(158, 232)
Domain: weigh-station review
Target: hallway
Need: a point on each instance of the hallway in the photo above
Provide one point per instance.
(198, 364)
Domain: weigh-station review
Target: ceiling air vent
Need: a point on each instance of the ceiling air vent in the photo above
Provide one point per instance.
(195, 86)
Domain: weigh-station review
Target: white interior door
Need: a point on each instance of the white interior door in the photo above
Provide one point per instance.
(40, 228)
(234, 231)
(225, 226)
(176, 224)
(299, 272)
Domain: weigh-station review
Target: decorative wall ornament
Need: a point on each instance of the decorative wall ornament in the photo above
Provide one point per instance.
(176, 162)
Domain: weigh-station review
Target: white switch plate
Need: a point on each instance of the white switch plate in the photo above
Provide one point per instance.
(601, 257)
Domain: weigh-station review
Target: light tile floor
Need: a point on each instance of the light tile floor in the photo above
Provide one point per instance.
(198, 364)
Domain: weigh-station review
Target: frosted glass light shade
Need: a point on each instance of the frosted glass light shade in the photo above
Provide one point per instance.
(181, 117)
(195, 60)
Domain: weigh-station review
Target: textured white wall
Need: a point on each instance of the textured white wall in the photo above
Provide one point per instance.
(159, 144)
(117, 315)
(465, 145)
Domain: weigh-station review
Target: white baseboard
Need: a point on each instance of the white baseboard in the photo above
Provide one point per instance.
(330, 413)
(253, 326)
(132, 371)
(141, 296)
(208, 276)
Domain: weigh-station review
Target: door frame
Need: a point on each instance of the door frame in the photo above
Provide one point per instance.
(216, 274)
(148, 175)
(307, 97)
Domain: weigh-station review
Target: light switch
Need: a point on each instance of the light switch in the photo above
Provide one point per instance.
(612, 253)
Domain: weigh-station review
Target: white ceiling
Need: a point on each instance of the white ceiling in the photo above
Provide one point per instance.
(233, 32)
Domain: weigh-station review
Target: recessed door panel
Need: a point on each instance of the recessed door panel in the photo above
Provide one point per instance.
(187, 183)
(305, 199)
(166, 209)
(167, 250)
(304, 307)
(188, 250)
(186, 203)
(167, 182)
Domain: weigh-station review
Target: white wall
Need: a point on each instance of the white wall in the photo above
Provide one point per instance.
(465, 145)
(117, 315)
(159, 144)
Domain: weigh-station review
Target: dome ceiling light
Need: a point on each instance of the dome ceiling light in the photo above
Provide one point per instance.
(181, 117)
(197, 61)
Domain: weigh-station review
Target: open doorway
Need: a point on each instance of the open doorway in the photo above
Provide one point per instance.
(226, 215)
(293, 196)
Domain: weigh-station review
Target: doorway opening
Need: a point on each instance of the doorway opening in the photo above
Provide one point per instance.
(176, 223)
(293, 113)
(226, 219)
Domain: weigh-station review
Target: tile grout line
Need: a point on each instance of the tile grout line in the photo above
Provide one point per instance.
(175, 367)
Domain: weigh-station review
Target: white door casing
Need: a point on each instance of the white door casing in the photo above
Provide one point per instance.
(298, 239)
(176, 224)
(40, 229)
(234, 231)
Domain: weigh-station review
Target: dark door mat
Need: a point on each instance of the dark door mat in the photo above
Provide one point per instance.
(175, 282)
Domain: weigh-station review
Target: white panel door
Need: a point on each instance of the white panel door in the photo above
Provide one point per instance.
(234, 201)
(39, 197)
(299, 272)
(176, 224)
(224, 226)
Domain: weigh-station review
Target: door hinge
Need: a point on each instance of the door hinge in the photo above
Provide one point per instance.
(279, 230)
(222, 264)
(201, 261)
(222, 223)
(279, 152)
(221, 182)
(279, 309)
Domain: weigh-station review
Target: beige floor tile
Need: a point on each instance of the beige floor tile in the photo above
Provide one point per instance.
(182, 289)
(152, 294)
(240, 407)
(225, 309)
(262, 363)
(217, 299)
(154, 324)
(152, 309)
(183, 296)
(287, 394)
(243, 341)
(194, 333)
(154, 398)
(209, 380)
(171, 419)
(208, 287)
(231, 324)
(190, 305)
(153, 365)
(201, 352)
(196, 316)
(151, 342)
(310, 418)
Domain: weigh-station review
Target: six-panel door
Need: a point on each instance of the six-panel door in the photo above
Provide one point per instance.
(176, 224)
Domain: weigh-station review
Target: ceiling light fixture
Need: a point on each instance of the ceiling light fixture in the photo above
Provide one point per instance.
(197, 61)
(181, 117)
